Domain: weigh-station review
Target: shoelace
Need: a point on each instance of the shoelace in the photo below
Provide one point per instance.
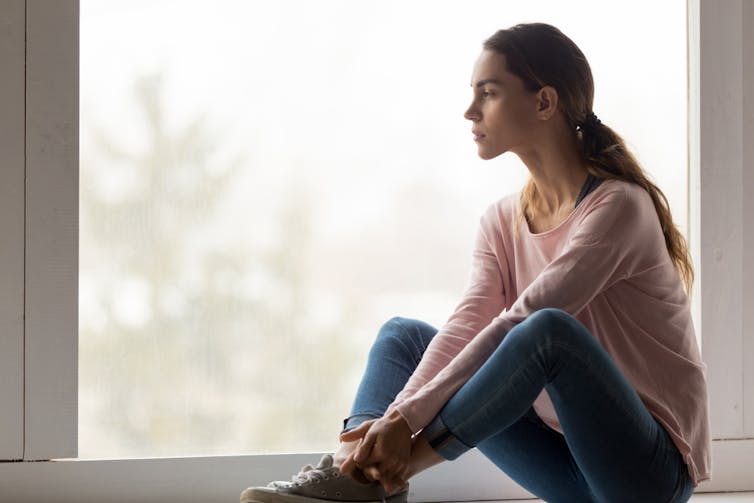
(307, 475)
(312, 475)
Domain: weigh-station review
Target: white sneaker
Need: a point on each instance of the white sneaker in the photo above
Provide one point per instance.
(321, 483)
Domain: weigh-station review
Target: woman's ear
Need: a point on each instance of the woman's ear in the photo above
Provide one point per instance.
(547, 102)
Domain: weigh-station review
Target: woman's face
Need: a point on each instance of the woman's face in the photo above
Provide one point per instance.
(503, 111)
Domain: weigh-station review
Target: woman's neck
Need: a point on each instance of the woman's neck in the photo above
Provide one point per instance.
(559, 178)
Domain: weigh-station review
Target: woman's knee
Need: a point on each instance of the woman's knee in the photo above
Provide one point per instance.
(550, 316)
(405, 334)
(554, 329)
(545, 324)
(551, 320)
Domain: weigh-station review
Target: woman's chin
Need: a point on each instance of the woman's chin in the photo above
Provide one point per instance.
(486, 155)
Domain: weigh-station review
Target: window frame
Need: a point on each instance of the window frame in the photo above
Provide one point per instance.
(51, 223)
(12, 90)
(720, 118)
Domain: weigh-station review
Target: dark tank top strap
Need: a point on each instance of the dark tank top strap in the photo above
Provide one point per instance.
(592, 182)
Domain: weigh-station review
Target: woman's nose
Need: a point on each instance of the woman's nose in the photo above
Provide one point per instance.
(471, 113)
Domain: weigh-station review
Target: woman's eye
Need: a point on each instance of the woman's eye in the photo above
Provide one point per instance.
(486, 94)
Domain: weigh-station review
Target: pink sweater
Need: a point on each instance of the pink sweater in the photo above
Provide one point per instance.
(607, 265)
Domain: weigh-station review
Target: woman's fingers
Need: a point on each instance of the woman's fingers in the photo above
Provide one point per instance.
(389, 468)
(348, 466)
(364, 451)
(361, 456)
(391, 474)
(356, 433)
(382, 453)
(358, 475)
(393, 484)
(372, 473)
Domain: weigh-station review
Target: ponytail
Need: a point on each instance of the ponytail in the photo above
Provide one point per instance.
(606, 156)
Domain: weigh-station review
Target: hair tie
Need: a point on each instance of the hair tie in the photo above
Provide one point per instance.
(590, 123)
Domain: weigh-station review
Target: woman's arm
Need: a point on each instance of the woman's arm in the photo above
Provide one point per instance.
(385, 444)
(484, 298)
(618, 236)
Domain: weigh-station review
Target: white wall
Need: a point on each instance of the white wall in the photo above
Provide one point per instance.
(722, 184)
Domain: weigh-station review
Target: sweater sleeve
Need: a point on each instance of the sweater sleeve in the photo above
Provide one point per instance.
(483, 299)
(603, 249)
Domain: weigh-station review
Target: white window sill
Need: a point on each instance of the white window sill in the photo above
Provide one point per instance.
(222, 478)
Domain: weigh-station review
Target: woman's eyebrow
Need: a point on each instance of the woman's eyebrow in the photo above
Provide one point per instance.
(484, 82)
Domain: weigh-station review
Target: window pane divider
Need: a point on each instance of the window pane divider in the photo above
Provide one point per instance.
(51, 253)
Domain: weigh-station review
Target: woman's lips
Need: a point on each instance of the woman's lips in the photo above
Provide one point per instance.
(477, 136)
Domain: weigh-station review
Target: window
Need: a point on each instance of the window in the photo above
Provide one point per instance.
(260, 191)
(40, 395)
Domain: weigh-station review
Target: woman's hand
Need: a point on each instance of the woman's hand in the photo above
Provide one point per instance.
(384, 451)
(347, 465)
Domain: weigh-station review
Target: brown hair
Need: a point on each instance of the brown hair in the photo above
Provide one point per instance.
(542, 55)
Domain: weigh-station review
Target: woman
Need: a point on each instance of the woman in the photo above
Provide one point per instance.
(571, 360)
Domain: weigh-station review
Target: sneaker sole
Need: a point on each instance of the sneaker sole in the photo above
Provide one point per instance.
(276, 497)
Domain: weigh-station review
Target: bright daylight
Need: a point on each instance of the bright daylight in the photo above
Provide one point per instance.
(261, 191)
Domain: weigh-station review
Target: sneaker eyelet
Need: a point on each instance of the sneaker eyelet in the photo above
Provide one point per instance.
(338, 494)
(323, 493)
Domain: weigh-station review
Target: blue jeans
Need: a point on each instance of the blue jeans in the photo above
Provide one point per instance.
(612, 449)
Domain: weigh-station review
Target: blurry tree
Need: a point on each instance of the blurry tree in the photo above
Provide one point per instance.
(181, 358)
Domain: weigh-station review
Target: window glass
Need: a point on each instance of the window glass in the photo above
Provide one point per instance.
(263, 184)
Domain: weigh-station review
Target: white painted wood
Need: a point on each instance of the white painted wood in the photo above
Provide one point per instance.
(732, 466)
(51, 229)
(12, 89)
(221, 479)
(721, 203)
(747, 31)
(734, 497)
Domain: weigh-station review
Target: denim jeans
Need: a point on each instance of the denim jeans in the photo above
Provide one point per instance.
(612, 450)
